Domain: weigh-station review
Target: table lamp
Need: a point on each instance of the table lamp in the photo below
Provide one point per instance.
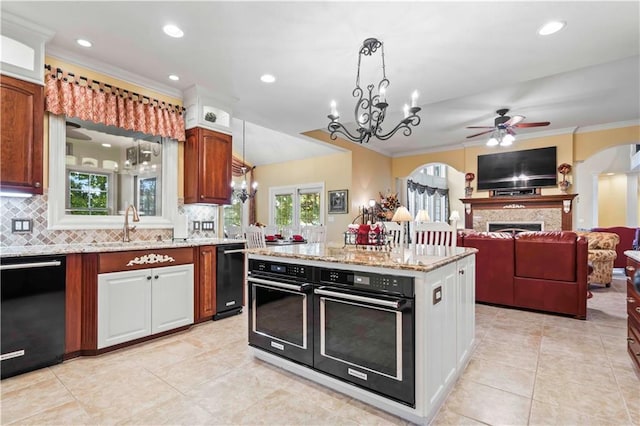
(454, 218)
(423, 216)
(402, 215)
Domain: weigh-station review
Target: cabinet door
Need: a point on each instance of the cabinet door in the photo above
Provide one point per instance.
(207, 158)
(21, 135)
(207, 282)
(124, 306)
(171, 297)
(466, 307)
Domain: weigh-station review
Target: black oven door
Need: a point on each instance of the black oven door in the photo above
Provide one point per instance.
(366, 339)
(281, 318)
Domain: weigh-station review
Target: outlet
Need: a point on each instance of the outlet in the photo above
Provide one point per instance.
(196, 225)
(207, 225)
(21, 225)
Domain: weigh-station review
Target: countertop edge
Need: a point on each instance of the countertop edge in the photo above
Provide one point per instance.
(633, 254)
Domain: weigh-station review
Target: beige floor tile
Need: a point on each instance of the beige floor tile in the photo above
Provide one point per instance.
(545, 414)
(595, 371)
(70, 413)
(523, 355)
(487, 404)
(161, 356)
(177, 411)
(501, 376)
(26, 401)
(446, 417)
(363, 414)
(25, 380)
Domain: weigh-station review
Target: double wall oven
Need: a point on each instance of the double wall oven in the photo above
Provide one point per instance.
(355, 326)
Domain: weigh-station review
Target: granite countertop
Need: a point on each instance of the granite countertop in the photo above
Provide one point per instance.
(102, 247)
(425, 260)
(633, 254)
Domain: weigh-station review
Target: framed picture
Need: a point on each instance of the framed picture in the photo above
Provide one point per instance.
(339, 201)
(132, 155)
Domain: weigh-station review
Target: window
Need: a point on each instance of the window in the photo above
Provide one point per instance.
(429, 192)
(296, 205)
(88, 193)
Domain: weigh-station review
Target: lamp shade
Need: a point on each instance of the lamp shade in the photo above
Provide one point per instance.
(454, 215)
(401, 215)
(422, 216)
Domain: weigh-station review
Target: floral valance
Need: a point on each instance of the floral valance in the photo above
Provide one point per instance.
(87, 99)
(421, 189)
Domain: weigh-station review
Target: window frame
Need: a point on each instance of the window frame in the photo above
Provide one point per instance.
(295, 191)
(91, 171)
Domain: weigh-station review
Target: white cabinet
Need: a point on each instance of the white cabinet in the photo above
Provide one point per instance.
(466, 323)
(134, 304)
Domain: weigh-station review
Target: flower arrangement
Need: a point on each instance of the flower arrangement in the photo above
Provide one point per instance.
(468, 177)
(388, 204)
(564, 170)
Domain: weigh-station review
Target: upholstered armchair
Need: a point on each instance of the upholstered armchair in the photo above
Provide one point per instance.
(602, 254)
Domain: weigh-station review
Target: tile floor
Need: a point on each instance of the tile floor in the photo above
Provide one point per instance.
(527, 368)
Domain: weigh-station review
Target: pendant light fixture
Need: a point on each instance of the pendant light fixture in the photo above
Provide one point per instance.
(242, 193)
(371, 108)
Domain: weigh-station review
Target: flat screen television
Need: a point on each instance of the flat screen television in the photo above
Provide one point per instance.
(526, 169)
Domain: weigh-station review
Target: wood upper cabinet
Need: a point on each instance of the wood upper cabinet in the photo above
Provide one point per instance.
(206, 282)
(207, 167)
(21, 135)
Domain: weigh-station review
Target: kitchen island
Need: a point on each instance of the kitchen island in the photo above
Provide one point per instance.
(392, 328)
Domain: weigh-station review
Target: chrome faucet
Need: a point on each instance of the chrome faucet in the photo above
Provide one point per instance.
(127, 228)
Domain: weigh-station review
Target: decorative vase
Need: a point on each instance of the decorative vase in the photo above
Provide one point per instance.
(564, 186)
(468, 190)
(388, 215)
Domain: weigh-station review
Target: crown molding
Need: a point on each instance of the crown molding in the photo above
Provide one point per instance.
(9, 18)
(112, 71)
(608, 126)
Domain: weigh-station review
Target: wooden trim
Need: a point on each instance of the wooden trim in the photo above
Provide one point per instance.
(94, 351)
(89, 302)
(133, 260)
(73, 304)
(533, 202)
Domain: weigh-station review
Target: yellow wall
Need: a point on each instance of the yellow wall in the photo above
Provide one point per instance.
(612, 200)
(333, 170)
(587, 144)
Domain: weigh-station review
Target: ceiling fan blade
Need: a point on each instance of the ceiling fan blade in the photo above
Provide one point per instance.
(514, 120)
(479, 127)
(481, 133)
(539, 124)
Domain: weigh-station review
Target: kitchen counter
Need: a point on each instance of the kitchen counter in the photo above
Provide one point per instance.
(633, 254)
(424, 261)
(103, 247)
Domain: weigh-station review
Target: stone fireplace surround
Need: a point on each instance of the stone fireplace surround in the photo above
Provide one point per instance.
(549, 210)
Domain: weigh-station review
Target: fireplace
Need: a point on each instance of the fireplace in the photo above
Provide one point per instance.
(514, 227)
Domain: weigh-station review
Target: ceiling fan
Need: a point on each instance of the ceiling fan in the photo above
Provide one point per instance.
(75, 134)
(505, 124)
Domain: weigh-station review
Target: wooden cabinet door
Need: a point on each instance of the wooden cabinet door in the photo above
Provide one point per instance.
(207, 282)
(21, 135)
(171, 297)
(207, 167)
(124, 306)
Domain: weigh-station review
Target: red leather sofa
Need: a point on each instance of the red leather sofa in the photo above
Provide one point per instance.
(627, 236)
(545, 271)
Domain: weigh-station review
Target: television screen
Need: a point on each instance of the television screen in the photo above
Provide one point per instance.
(529, 168)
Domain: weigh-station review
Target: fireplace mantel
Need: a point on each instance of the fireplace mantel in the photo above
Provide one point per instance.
(563, 202)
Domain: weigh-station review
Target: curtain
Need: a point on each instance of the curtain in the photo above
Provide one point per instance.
(424, 197)
(92, 100)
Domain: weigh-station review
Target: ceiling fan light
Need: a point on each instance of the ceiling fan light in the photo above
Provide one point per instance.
(507, 140)
(492, 141)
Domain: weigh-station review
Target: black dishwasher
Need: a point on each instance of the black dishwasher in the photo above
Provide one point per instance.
(229, 280)
(33, 319)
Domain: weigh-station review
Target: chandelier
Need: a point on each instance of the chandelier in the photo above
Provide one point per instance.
(371, 108)
(242, 193)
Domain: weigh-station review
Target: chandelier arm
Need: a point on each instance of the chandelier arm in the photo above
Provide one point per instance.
(412, 120)
(336, 127)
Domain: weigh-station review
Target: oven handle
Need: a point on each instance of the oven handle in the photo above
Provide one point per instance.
(299, 288)
(397, 305)
(30, 265)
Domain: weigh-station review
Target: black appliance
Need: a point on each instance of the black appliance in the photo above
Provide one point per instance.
(364, 331)
(529, 168)
(229, 280)
(32, 313)
(281, 309)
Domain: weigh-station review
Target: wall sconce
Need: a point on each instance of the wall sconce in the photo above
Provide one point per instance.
(566, 206)
(467, 208)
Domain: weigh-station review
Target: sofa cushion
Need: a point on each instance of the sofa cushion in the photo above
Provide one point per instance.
(600, 240)
(546, 255)
(627, 235)
(494, 266)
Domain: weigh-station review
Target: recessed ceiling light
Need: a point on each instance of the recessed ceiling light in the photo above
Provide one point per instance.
(267, 78)
(174, 77)
(106, 145)
(551, 27)
(172, 31)
(84, 43)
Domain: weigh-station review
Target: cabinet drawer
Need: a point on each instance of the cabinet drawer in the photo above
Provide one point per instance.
(143, 259)
(633, 303)
(633, 341)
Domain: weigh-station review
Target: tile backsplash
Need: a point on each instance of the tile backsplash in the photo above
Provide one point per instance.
(35, 209)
